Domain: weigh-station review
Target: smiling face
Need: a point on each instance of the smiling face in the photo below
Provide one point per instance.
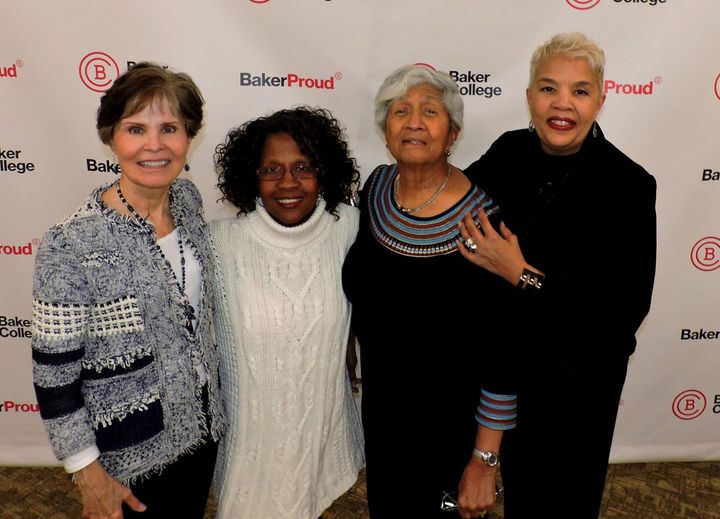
(289, 200)
(151, 146)
(418, 129)
(564, 99)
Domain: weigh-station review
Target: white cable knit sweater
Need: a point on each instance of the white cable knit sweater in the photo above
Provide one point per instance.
(294, 442)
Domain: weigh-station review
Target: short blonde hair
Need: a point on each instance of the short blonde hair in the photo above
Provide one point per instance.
(574, 45)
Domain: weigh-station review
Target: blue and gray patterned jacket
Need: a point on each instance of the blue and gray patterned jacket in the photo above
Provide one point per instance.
(113, 364)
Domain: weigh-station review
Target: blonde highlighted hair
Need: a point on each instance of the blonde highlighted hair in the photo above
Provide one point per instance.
(575, 45)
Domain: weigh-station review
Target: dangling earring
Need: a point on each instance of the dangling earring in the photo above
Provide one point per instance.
(318, 198)
(448, 152)
(354, 198)
(594, 129)
(259, 201)
(531, 126)
(187, 167)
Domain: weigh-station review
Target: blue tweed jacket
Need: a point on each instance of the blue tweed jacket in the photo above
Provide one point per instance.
(113, 364)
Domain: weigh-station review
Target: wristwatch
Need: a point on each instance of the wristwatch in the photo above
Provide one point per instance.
(489, 457)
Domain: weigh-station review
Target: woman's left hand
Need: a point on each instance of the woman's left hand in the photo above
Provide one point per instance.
(498, 253)
(476, 496)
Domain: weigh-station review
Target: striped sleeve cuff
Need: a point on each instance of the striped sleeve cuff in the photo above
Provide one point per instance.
(496, 411)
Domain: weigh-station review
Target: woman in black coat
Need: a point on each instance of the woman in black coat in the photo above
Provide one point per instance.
(578, 240)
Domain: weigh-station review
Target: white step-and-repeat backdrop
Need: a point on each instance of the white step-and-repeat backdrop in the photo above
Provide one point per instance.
(663, 110)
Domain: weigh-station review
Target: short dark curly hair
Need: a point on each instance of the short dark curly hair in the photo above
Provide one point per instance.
(317, 134)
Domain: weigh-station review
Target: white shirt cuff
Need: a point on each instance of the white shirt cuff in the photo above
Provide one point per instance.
(81, 460)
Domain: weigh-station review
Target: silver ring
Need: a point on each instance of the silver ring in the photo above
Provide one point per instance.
(470, 245)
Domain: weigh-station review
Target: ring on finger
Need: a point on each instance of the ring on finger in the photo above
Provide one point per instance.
(470, 245)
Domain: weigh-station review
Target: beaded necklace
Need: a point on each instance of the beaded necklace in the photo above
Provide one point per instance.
(188, 308)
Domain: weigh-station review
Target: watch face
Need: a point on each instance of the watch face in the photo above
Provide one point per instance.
(491, 459)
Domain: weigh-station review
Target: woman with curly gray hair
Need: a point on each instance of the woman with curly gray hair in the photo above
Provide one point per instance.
(283, 324)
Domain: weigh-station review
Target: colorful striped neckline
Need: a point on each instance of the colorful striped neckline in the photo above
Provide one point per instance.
(417, 236)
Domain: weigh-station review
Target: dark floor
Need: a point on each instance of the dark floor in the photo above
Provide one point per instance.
(637, 491)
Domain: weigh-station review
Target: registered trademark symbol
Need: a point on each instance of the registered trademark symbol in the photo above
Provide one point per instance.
(19, 63)
(36, 241)
(338, 75)
(658, 80)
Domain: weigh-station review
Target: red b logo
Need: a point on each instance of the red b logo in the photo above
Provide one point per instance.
(98, 70)
(689, 404)
(705, 254)
(582, 5)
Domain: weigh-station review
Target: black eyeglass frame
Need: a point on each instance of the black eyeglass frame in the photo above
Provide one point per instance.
(300, 171)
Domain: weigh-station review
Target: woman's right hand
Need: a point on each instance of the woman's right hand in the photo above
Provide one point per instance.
(476, 496)
(496, 252)
(102, 494)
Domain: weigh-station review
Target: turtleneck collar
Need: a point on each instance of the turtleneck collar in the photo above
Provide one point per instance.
(278, 235)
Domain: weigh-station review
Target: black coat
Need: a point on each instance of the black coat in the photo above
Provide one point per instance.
(587, 221)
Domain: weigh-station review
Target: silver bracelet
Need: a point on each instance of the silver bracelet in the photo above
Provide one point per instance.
(489, 457)
(528, 278)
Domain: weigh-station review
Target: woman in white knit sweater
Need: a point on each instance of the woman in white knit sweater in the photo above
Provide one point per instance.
(294, 442)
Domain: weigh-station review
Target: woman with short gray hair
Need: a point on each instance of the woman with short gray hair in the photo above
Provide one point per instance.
(397, 84)
(416, 309)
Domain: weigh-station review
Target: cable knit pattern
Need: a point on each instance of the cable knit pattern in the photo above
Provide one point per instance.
(294, 443)
(114, 365)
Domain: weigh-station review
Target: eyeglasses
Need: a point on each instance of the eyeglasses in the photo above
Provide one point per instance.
(448, 502)
(300, 171)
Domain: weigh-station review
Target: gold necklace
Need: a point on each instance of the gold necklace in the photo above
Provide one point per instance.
(408, 210)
